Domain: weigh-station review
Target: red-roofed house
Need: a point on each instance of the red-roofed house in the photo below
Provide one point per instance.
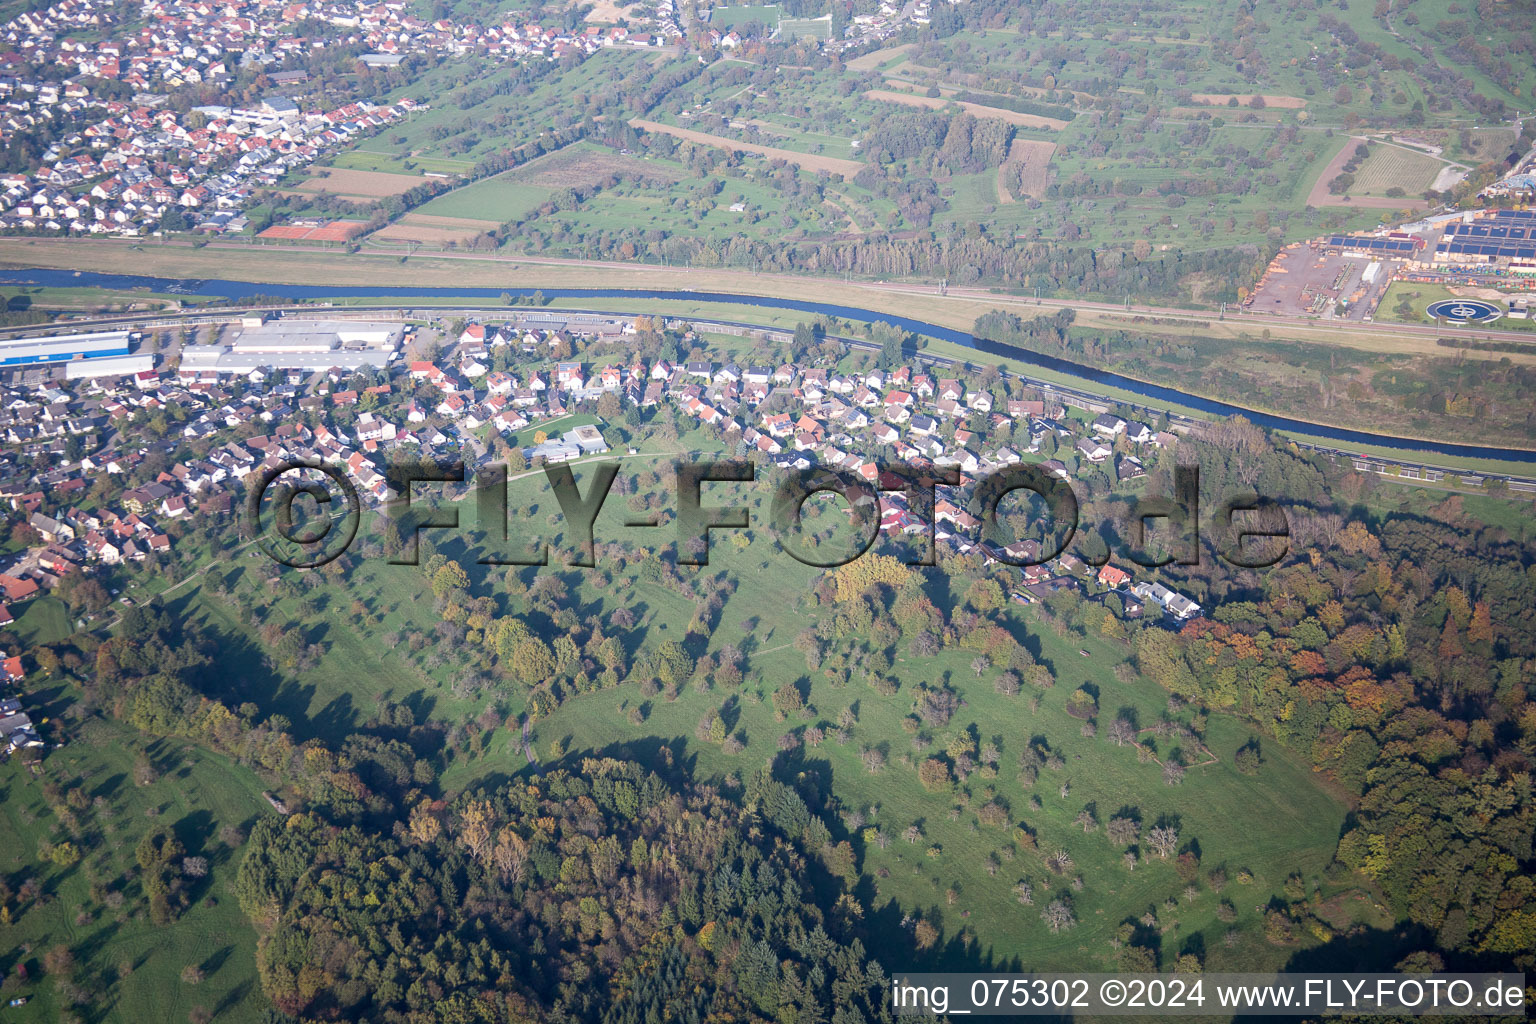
(17, 589)
(1113, 578)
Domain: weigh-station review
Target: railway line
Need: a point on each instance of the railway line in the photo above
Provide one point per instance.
(1423, 472)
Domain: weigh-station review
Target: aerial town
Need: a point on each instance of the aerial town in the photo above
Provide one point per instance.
(713, 510)
(294, 388)
(121, 162)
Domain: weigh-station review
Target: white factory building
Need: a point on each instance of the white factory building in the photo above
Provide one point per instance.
(308, 345)
(109, 366)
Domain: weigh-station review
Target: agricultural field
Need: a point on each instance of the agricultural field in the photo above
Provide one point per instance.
(425, 229)
(1394, 167)
(876, 59)
(1026, 171)
(371, 160)
(1271, 101)
(607, 12)
(726, 18)
(357, 185)
(313, 230)
(514, 195)
(498, 199)
(979, 110)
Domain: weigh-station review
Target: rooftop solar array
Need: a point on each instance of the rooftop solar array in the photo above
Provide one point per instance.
(1496, 250)
(1501, 234)
(1494, 230)
(1403, 245)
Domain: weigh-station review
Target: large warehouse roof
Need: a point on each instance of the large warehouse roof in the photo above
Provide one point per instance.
(110, 366)
(311, 345)
(63, 347)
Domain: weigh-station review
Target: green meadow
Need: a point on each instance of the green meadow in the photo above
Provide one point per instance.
(1266, 827)
(92, 792)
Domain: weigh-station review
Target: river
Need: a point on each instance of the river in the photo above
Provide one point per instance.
(215, 288)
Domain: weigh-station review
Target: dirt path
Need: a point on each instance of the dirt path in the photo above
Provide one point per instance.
(853, 225)
(533, 759)
(809, 161)
(936, 102)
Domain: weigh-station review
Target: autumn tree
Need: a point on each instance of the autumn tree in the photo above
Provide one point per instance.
(1122, 831)
(1058, 915)
(934, 774)
(1163, 839)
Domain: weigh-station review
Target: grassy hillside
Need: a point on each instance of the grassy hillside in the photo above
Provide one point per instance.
(90, 794)
(1273, 825)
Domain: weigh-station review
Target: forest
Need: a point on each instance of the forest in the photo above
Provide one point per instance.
(603, 893)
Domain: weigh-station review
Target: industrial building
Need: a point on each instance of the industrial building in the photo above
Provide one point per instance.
(109, 366)
(1395, 245)
(63, 348)
(308, 345)
(1504, 239)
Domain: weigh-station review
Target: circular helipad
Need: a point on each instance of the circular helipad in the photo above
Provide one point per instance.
(1464, 311)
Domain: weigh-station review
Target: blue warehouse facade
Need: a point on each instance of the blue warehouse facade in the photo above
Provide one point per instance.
(64, 348)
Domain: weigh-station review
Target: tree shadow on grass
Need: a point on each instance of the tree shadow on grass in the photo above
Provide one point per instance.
(216, 959)
(108, 787)
(234, 997)
(336, 720)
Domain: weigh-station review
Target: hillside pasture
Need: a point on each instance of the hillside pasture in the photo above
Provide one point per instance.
(1272, 825)
(125, 962)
